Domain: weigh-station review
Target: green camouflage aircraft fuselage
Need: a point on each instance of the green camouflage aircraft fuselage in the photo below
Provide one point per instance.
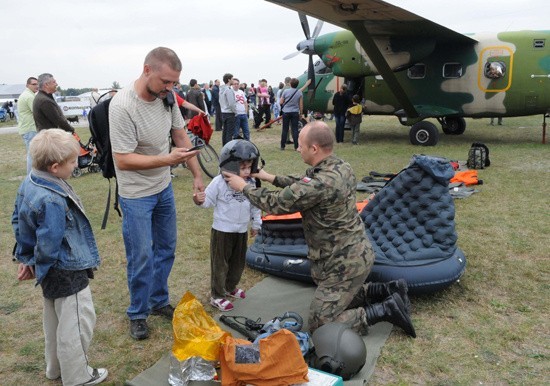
(502, 74)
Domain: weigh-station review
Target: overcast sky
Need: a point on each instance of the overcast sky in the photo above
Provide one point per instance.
(93, 43)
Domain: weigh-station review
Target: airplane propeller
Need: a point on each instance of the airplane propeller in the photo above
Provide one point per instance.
(307, 47)
(295, 53)
(305, 24)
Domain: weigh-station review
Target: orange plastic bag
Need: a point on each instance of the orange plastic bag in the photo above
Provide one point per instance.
(276, 361)
(195, 332)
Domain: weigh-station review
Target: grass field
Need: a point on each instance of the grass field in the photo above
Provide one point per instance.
(491, 328)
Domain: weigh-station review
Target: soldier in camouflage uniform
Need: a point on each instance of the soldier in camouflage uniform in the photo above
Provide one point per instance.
(340, 253)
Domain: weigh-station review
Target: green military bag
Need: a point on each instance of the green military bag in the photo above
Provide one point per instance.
(478, 156)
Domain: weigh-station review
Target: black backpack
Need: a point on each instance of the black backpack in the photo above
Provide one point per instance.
(478, 156)
(98, 120)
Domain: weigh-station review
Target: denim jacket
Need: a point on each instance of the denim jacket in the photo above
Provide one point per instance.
(51, 229)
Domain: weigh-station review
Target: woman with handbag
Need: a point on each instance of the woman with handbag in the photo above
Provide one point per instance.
(291, 107)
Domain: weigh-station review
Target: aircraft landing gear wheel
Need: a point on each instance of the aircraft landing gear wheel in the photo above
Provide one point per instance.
(453, 125)
(424, 133)
(77, 172)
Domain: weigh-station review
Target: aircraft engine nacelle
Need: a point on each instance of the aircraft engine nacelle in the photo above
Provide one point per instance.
(343, 53)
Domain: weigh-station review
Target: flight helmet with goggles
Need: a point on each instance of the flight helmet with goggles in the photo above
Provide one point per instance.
(236, 151)
(339, 350)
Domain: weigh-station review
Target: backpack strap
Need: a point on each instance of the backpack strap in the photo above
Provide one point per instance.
(108, 205)
(383, 175)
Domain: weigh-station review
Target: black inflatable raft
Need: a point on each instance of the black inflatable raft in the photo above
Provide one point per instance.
(410, 224)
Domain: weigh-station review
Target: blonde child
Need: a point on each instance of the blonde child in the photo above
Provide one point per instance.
(56, 245)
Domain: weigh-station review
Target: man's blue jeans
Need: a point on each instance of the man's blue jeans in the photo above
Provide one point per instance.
(150, 234)
(340, 123)
(241, 122)
(27, 138)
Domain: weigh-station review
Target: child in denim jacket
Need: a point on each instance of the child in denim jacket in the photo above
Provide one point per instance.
(55, 245)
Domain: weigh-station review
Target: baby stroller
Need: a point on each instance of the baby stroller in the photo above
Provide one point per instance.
(86, 158)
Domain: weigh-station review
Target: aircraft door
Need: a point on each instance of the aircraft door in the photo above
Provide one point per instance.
(356, 86)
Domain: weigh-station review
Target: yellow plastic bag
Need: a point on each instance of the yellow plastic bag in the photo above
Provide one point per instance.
(195, 332)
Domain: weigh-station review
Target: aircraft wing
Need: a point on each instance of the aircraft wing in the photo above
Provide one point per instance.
(369, 19)
(378, 17)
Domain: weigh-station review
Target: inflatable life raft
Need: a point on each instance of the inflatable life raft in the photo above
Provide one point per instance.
(410, 224)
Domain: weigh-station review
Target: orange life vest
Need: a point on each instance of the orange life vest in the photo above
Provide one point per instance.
(468, 177)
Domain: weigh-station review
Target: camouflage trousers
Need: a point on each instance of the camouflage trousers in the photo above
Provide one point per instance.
(339, 298)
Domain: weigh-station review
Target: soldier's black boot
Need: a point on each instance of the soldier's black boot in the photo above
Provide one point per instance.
(391, 310)
(380, 291)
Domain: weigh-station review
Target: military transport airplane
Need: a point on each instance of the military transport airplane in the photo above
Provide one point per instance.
(410, 67)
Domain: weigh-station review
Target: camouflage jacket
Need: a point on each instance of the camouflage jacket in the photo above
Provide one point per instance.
(325, 196)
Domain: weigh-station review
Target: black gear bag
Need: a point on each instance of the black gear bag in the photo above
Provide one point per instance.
(98, 120)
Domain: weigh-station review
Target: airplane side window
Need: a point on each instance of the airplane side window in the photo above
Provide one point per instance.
(539, 43)
(495, 70)
(418, 71)
(452, 70)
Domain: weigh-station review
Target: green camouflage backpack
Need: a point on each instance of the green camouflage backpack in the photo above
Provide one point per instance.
(478, 156)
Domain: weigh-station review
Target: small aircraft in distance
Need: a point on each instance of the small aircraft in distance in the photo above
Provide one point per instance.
(410, 67)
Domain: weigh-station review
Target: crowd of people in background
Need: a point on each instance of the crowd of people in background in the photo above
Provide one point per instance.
(266, 105)
(233, 103)
(235, 107)
(262, 100)
(10, 109)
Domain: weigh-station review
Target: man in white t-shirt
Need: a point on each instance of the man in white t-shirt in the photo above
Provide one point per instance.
(141, 119)
(241, 116)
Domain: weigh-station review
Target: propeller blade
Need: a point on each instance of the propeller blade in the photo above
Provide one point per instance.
(293, 54)
(305, 24)
(311, 73)
(312, 94)
(317, 29)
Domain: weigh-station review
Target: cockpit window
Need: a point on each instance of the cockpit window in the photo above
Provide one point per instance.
(452, 70)
(495, 70)
(418, 71)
